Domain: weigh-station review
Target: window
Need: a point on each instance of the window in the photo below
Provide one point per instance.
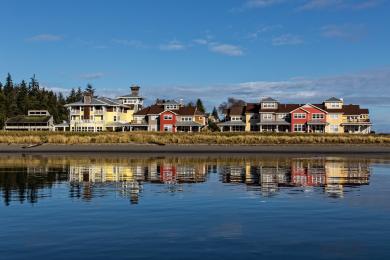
(269, 105)
(334, 105)
(318, 116)
(299, 128)
(186, 119)
(334, 116)
(236, 118)
(167, 128)
(168, 117)
(282, 116)
(299, 115)
(267, 116)
(334, 128)
(115, 118)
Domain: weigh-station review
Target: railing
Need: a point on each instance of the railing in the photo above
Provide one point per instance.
(139, 122)
(87, 121)
(98, 112)
(357, 121)
(75, 112)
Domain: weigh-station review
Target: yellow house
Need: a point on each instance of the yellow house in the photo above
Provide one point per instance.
(96, 114)
(334, 118)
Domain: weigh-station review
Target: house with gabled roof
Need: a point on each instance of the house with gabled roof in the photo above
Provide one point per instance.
(331, 116)
(169, 116)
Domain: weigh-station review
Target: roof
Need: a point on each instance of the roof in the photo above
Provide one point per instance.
(22, 119)
(252, 108)
(268, 99)
(333, 99)
(150, 110)
(236, 110)
(354, 110)
(98, 101)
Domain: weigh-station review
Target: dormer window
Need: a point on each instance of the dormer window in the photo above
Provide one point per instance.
(271, 105)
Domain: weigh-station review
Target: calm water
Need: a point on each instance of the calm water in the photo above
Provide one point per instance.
(194, 207)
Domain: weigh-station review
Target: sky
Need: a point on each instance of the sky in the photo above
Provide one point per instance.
(293, 50)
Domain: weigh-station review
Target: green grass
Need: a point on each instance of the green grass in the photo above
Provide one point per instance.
(187, 138)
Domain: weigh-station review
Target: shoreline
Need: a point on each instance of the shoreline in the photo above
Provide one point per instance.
(200, 149)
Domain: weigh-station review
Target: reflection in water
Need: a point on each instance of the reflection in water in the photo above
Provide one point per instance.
(24, 178)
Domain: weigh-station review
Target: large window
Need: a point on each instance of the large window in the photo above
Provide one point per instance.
(168, 117)
(236, 118)
(318, 116)
(267, 116)
(186, 119)
(299, 115)
(299, 128)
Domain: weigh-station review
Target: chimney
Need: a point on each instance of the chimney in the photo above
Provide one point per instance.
(87, 98)
(134, 90)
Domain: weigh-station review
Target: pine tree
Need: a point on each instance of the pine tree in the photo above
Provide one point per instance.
(215, 113)
(22, 99)
(200, 106)
(89, 89)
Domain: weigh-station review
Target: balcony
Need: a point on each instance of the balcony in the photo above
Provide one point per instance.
(87, 121)
(98, 112)
(139, 122)
(75, 112)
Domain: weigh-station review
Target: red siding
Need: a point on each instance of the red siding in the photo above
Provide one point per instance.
(164, 122)
(308, 111)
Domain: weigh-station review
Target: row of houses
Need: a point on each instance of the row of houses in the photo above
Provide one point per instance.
(269, 115)
(128, 113)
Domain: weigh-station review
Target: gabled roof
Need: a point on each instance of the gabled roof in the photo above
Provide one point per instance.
(98, 101)
(333, 99)
(150, 110)
(317, 106)
(268, 99)
(236, 110)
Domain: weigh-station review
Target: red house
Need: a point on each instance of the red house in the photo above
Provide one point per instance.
(168, 121)
(308, 118)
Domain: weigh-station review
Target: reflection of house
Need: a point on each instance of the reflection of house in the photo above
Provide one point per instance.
(35, 120)
(329, 173)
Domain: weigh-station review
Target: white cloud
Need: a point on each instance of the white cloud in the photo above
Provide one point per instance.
(262, 3)
(46, 38)
(89, 76)
(173, 46)
(345, 31)
(287, 39)
(339, 4)
(226, 49)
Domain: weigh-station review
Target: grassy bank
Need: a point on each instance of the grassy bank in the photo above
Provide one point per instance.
(186, 138)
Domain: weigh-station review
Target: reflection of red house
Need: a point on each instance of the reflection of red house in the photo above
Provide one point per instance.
(308, 118)
(301, 175)
(168, 173)
(168, 121)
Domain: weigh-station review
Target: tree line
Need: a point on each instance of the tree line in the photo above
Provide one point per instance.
(17, 99)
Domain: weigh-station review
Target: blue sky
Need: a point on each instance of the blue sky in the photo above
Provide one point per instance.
(293, 50)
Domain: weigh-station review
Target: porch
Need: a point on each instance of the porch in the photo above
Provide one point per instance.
(231, 126)
(277, 126)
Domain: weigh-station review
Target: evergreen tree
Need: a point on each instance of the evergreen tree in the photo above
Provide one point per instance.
(215, 113)
(22, 99)
(200, 106)
(89, 89)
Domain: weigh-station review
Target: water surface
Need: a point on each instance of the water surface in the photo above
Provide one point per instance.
(191, 207)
